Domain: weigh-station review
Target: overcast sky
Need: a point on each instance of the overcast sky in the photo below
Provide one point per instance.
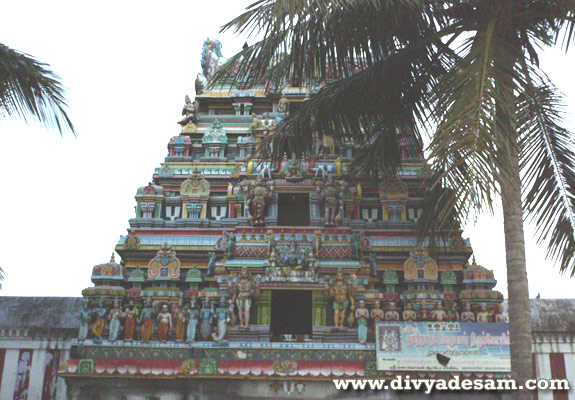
(128, 65)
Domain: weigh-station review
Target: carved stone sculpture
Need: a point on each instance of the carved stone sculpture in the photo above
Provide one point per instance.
(85, 318)
(361, 315)
(243, 291)
(439, 314)
(283, 105)
(99, 321)
(501, 316)
(257, 195)
(483, 315)
(377, 314)
(115, 317)
(179, 316)
(190, 113)
(223, 317)
(343, 296)
(131, 315)
(206, 317)
(164, 323)
(409, 314)
(467, 315)
(392, 314)
(331, 193)
(212, 264)
(147, 322)
(192, 316)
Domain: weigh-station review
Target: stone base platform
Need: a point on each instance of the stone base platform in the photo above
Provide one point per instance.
(330, 334)
(255, 333)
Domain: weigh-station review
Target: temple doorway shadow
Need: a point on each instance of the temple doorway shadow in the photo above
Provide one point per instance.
(291, 315)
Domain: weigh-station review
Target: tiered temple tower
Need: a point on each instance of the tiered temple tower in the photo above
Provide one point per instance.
(235, 267)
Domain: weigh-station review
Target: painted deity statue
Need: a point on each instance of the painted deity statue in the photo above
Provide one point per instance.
(223, 317)
(147, 322)
(206, 317)
(211, 53)
(192, 316)
(212, 264)
(257, 195)
(131, 316)
(243, 291)
(376, 314)
(190, 112)
(361, 315)
(85, 317)
(439, 314)
(409, 314)
(99, 321)
(115, 318)
(467, 315)
(331, 193)
(392, 314)
(424, 313)
(501, 316)
(343, 296)
(283, 105)
(453, 314)
(179, 316)
(230, 245)
(164, 323)
(483, 315)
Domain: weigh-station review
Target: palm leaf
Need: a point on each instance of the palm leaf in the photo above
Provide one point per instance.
(548, 169)
(29, 89)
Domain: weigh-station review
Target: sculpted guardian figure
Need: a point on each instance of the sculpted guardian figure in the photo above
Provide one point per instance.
(257, 194)
(343, 296)
(331, 193)
(243, 291)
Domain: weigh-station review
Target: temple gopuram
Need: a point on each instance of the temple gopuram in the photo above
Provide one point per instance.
(240, 278)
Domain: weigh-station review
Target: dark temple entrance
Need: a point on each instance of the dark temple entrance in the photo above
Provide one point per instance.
(293, 209)
(291, 314)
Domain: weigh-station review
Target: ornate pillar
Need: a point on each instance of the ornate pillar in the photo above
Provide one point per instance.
(263, 303)
(319, 304)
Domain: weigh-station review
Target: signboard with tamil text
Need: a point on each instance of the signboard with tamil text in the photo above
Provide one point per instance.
(443, 346)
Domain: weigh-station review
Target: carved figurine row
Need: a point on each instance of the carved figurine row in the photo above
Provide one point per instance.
(183, 321)
(438, 314)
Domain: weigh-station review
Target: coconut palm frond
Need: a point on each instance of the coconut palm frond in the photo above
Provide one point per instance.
(320, 46)
(28, 88)
(548, 170)
(386, 97)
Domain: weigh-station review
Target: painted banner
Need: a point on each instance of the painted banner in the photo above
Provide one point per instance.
(443, 346)
(50, 374)
(23, 375)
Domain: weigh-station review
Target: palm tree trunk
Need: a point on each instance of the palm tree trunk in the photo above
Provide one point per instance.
(517, 287)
